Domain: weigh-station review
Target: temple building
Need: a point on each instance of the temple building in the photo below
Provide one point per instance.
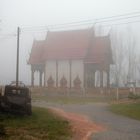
(74, 58)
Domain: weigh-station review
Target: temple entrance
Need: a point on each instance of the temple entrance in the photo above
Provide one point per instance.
(40, 69)
(96, 76)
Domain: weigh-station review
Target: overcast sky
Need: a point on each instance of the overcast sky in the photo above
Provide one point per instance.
(25, 13)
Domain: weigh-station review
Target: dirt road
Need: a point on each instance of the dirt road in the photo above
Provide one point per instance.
(118, 127)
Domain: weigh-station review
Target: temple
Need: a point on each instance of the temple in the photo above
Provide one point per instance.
(75, 58)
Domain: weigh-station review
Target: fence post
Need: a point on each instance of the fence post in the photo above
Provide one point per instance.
(117, 94)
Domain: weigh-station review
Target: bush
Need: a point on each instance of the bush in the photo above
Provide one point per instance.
(2, 127)
(2, 130)
(133, 96)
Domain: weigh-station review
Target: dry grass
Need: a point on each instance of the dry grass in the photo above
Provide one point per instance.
(42, 125)
(131, 109)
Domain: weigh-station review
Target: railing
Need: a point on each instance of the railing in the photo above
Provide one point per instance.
(116, 93)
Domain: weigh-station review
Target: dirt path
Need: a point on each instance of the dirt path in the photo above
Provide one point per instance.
(118, 127)
(82, 127)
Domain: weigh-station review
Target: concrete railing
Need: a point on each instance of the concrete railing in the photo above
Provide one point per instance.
(116, 93)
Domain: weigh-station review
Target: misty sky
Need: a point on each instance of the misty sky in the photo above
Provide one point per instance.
(32, 13)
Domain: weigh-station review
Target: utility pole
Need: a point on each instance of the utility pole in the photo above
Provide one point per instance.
(0, 21)
(17, 64)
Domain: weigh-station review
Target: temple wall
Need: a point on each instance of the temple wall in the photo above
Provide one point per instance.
(63, 70)
(50, 70)
(77, 69)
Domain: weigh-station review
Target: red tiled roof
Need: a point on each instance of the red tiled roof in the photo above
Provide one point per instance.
(36, 52)
(100, 52)
(78, 44)
(67, 45)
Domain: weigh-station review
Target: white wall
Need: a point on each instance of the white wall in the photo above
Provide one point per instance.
(36, 78)
(97, 78)
(77, 68)
(63, 70)
(104, 79)
(50, 70)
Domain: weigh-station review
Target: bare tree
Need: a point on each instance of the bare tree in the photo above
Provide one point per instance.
(125, 55)
(131, 55)
(118, 50)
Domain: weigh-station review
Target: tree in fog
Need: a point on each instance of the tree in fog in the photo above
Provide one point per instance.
(118, 72)
(131, 55)
(138, 70)
(124, 56)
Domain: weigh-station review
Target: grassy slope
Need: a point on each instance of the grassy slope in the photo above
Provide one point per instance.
(70, 99)
(42, 125)
(131, 110)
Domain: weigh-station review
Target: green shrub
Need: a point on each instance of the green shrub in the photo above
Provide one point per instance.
(131, 110)
(133, 96)
(2, 130)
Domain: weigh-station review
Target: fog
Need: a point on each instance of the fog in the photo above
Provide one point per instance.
(37, 13)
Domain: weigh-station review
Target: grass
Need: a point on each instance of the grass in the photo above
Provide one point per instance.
(131, 110)
(42, 125)
(70, 99)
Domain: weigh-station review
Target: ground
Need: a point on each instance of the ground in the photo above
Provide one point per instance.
(82, 127)
(116, 127)
(41, 125)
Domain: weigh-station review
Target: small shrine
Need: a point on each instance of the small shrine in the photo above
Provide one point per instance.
(77, 82)
(50, 82)
(63, 82)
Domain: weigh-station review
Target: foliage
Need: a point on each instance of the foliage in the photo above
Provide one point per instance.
(2, 128)
(42, 125)
(133, 96)
(131, 110)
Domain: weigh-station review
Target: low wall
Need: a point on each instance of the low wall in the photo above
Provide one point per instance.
(117, 93)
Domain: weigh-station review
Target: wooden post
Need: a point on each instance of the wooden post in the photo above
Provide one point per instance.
(93, 79)
(108, 78)
(85, 76)
(40, 78)
(85, 80)
(117, 94)
(70, 63)
(32, 77)
(56, 73)
(45, 75)
(101, 78)
(17, 64)
(44, 79)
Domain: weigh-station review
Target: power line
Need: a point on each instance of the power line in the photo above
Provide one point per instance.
(5, 35)
(129, 22)
(87, 22)
(45, 30)
(122, 15)
(105, 25)
(102, 21)
(119, 18)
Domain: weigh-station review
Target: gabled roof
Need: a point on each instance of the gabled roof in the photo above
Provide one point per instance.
(36, 52)
(66, 45)
(101, 51)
